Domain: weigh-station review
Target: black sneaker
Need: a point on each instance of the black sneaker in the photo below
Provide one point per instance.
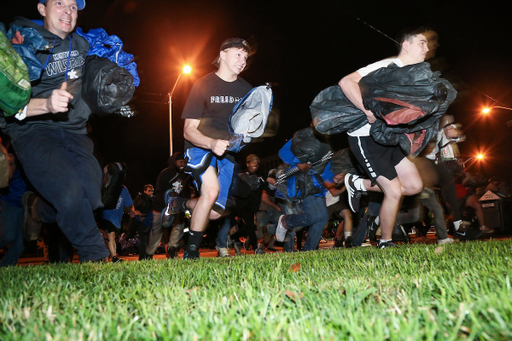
(348, 243)
(399, 234)
(338, 243)
(466, 233)
(385, 245)
(116, 259)
(354, 195)
(171, 252)
(372, 228)
(191, 254)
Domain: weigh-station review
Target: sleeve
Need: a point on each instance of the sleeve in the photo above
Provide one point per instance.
(286, 154)
(195, 104)
(327, 175)
(127, 199)
(375, 66)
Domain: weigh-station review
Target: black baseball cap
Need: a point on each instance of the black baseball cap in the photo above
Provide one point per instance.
(235, 42)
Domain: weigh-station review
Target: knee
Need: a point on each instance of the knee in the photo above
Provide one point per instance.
(210, 194)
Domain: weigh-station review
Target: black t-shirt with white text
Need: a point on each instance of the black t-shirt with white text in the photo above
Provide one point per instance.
(212, 100)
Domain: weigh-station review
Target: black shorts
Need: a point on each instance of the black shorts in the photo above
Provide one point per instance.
(334, 210)
(107, 226)
(376, 159)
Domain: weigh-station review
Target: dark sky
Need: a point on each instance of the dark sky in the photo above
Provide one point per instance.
(302, 47)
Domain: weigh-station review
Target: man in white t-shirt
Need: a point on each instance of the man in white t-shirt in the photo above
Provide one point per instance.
(388, 168)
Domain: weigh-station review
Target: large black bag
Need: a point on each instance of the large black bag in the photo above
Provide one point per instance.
(106, 86)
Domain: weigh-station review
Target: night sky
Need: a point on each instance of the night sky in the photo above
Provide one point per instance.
(302, 48)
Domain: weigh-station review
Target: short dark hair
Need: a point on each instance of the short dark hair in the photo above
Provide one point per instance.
(409, 33)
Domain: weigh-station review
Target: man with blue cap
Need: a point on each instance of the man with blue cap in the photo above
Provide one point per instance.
(49, 136)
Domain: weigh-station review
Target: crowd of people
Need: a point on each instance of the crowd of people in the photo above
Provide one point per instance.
(53, 179)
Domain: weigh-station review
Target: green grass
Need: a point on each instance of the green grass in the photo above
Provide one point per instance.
(414, 292)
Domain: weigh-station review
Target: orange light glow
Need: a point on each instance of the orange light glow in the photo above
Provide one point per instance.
(486, 111)
(187, 69)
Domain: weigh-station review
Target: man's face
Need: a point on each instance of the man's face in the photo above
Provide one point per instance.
(416, 49)
(253, 166)
(433, 43)
(181, 164)
(149, 191)
(59, 16)
(338, 178)
(235, 59)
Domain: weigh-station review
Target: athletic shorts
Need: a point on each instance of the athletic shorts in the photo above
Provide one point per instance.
(335, 209)
(107, 226)
(376, 159)
(198, 162)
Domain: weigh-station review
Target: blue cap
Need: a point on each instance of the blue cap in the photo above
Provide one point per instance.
(79, 3)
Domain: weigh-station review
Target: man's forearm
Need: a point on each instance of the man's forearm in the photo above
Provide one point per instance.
(37, 106)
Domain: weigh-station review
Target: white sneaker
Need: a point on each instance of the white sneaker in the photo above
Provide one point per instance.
(280, 230)
(445, 241)
(223, 251)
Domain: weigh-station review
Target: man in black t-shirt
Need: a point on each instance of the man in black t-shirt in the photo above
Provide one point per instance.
(206, 133)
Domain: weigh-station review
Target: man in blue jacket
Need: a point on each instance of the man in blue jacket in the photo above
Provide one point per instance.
(312, 211)
(50, 135)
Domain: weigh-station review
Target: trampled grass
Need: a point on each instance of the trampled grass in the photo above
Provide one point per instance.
(414, 292)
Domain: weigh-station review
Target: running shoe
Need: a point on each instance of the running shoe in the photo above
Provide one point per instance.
(223, 251)
(354, 195)
(280, 230)
(385, 245)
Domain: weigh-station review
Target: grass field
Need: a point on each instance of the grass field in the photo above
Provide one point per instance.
(413, 292)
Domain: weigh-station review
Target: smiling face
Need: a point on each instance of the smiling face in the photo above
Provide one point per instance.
(253, 166)
(59, 16)
(181, 164)
(233, 60)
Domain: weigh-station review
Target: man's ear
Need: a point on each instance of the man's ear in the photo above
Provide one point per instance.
(42, 9)
(222, 55)
(405, 46)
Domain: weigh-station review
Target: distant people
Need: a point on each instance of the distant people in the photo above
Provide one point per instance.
(111, 221)
(143, 221)
(49, 136)
(206, 113)
(171, 182)
(248, 199)
(444, 156)
(387, 167)
(11, 210)
(337, 207)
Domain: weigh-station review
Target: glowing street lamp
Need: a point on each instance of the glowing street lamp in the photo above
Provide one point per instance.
(488, 109)
(478, 157)
(186, 69)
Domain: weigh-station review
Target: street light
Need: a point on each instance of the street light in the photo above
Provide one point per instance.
(478, 157)
(488, 110)
(186, 69)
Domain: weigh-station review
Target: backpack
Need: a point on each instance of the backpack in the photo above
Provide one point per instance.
(14, 79)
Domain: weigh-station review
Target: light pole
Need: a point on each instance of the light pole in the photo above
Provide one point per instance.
(479, 157)
(186, 69)
(488, 110)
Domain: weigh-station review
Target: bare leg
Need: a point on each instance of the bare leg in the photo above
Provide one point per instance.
(473, 202)
(112, 244)
(202, 206)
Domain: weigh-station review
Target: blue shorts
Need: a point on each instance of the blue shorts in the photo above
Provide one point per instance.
(198, 162)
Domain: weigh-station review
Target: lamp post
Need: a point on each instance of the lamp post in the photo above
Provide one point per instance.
(488, 110)
(186, 69)
(479, 157)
